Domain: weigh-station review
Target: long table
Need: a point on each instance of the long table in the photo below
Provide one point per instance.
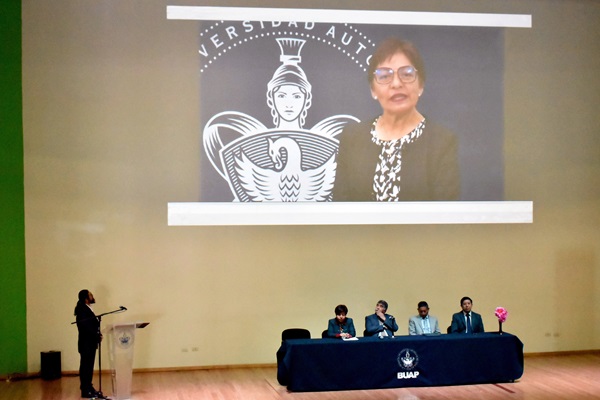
(371, 363)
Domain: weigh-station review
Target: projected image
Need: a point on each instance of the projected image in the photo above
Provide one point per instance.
(299, 112)
(287, 163)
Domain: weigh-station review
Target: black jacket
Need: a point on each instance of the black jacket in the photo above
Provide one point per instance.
(430, 168)
(87, 325)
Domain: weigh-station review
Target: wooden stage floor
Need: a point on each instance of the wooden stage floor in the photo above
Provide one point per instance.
(546, 377)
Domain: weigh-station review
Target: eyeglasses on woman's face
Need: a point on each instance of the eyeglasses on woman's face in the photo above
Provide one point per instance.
(385, 75)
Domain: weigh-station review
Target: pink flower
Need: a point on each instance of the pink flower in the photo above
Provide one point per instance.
(501, 313)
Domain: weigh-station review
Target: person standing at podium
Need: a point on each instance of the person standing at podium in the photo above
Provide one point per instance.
(380, 324)
(89, 337)
(466, 321)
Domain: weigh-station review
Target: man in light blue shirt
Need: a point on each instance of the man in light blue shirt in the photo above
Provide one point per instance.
(423, 323)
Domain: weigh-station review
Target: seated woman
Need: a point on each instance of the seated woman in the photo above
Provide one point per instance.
(340, 326)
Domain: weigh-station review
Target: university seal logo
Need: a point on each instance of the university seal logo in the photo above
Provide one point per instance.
(287, 159)
(288, 162)
(408, 359)
(125, 340)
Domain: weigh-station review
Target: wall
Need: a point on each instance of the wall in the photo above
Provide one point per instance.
(111, 136)
(13, 326)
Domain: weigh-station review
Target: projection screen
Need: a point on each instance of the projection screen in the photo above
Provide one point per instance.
(252, 150)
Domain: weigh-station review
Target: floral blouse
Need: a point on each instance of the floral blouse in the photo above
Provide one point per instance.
(386, 182)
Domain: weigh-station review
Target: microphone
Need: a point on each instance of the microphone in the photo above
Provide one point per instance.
(122, 308)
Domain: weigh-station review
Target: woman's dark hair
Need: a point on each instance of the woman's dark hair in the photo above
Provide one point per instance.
(392, 46)
(341, 309)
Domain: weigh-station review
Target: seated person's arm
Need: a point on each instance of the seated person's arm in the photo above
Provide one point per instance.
(412, 329)
(391, 324)
(372, 326)
(454, 326)
(351, 329)
(331, 330)
(436, 327)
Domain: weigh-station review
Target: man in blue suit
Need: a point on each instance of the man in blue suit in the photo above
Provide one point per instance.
(466, 321)
(380, 324)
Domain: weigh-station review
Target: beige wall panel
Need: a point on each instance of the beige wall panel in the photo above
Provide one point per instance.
(111, 136)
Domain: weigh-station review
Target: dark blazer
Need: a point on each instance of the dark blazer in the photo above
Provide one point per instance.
(87, 325)
(459, 326)
(373, 327)
(333, 329)
(430, 168)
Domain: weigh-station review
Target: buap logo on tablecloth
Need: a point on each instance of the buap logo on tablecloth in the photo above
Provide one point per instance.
(408, 360)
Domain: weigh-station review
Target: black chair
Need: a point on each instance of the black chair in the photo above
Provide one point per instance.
(291, 333)
(324, 334)
(449, 329)
(295, 333)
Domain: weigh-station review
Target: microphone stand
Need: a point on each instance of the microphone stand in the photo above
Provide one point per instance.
(99, 318)
(100, 394)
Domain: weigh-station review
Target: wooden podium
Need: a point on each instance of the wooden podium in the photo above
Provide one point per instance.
(121, 343)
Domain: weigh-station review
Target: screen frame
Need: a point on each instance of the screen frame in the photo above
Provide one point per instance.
(348, 213)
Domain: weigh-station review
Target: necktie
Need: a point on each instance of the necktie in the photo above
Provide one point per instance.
(469, 327)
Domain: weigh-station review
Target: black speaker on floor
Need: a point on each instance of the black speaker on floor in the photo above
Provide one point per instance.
(51, 368)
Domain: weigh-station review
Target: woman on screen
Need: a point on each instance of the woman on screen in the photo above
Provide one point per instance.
(341, 326)
(400, 155)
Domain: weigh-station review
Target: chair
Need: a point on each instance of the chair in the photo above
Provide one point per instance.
(324, 334)
(449, 329)
(295, 333)
(291, 333)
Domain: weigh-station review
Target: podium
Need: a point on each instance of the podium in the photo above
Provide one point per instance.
(121, 343)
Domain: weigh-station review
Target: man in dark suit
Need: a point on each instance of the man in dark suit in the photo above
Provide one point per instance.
(89, 337)
(380, 324)
(466, 321)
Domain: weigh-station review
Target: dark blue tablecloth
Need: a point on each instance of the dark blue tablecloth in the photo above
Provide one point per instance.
(372, 363)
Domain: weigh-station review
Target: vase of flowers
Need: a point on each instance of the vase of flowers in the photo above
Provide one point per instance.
(501, 314)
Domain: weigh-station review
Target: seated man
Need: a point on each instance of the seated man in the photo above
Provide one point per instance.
(380, 324)
(423, 323)
(466, 321)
